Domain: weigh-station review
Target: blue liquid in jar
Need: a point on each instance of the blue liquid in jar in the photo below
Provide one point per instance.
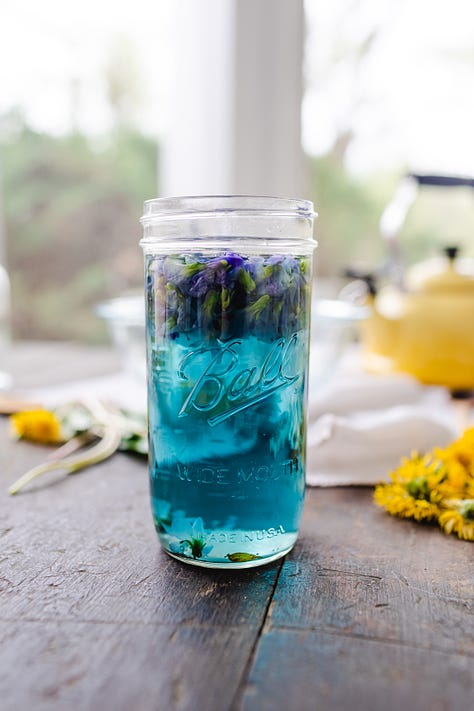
(227, 364)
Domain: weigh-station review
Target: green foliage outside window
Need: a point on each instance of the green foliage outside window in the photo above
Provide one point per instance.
(71, 209)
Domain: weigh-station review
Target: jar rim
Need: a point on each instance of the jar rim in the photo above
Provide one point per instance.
(207, 205)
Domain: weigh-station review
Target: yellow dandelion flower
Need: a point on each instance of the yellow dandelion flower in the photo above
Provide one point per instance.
(461, 450)
(414, 489)
(459, 518)
(37, 426)
(438, 485)
(418, 465)
(395, 499)
(421, 476)
(456, 476)
(469, 491)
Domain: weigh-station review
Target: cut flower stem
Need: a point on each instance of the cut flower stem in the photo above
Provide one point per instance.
(96, 432)
(105, 447)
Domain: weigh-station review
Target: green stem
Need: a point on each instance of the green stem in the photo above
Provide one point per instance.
(71, 446)
(107, 445)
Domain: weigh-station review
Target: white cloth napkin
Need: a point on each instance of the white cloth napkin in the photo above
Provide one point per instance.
(361, 425)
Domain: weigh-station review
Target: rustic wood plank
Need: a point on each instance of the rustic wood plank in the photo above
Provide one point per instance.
(85, 548)
(377, 576)
(133, 667)
(369, 612)
(94, 615)
(311, 670)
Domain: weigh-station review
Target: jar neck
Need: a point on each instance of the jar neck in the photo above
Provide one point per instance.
(206, 222)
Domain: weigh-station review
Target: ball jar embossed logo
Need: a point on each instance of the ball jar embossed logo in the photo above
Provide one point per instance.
(220, 387)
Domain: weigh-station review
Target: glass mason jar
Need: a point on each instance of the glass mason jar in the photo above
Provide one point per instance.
(228, 294)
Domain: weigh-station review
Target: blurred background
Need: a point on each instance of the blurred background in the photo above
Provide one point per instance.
(330, 100)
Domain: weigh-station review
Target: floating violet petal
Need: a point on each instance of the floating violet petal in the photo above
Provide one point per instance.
(220, 296)
(275, 259)
(254, 267)
(199, 284)
(233, 260)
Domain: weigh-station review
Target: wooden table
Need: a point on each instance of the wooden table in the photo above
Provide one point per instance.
(366, 613)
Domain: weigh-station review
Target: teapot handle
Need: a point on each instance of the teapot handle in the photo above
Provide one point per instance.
(368, 278)
(445, 181)
(451, 252)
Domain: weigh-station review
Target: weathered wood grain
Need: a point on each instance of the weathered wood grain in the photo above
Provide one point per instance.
(303, 670)
(85, 548)
(84, 666)
(367, 613)
(94, 615)
(370, 612)
(376, 576)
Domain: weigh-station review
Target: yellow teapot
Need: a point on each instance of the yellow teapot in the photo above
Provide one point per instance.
(431, 332)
